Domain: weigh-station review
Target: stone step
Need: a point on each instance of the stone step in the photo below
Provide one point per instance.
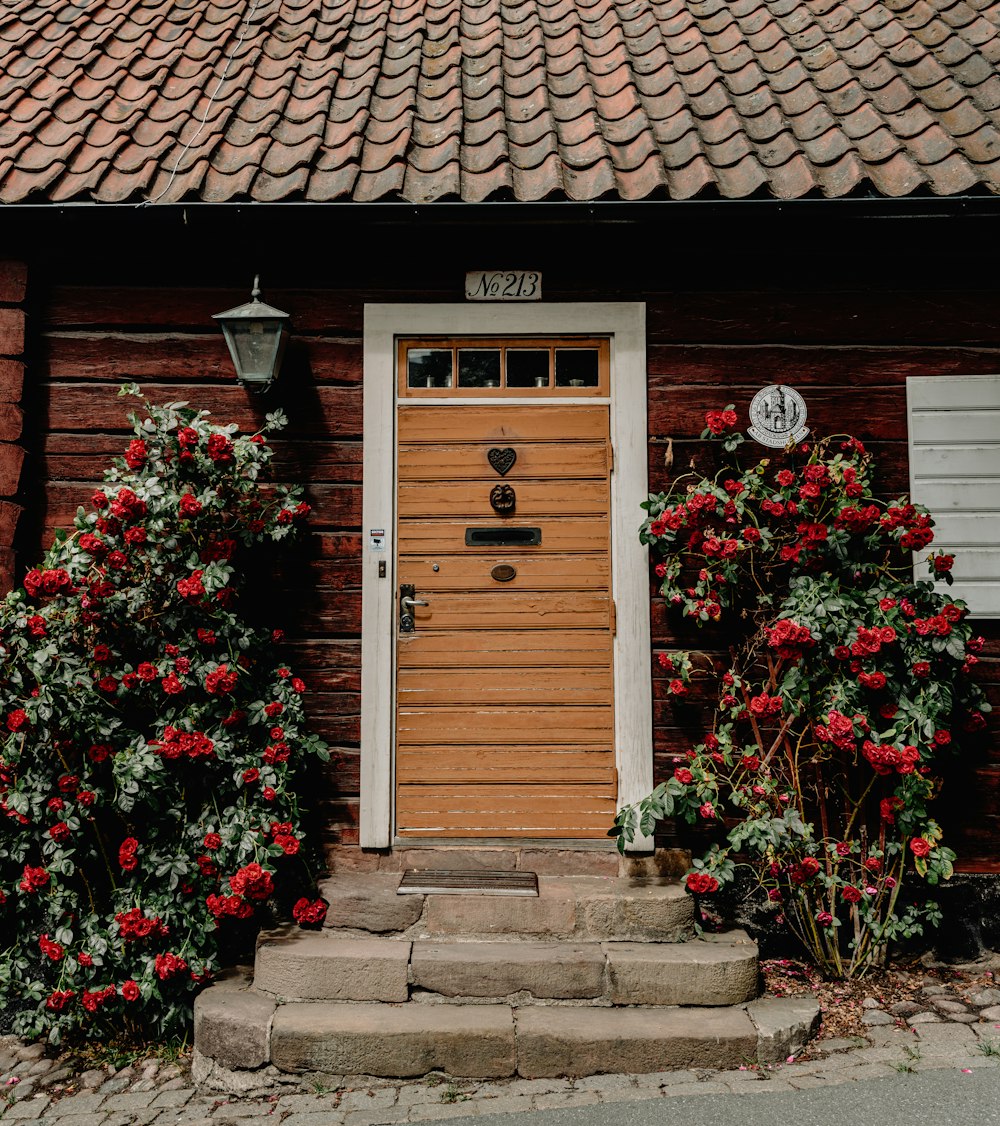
(481, 1041)
(553, 859)
(584, 907)
(298, 965)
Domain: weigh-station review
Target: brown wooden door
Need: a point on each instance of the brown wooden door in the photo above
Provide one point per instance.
(504, 712)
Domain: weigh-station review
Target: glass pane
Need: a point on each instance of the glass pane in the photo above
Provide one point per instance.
(576, 367)
(479, 367)
(428, 367)
(527, 367)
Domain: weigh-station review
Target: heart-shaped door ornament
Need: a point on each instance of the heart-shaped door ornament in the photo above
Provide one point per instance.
(502, 459)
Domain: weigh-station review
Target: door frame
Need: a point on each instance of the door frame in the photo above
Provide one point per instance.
(625, 324)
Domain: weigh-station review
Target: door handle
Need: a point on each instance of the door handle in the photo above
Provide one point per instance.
(407, 602)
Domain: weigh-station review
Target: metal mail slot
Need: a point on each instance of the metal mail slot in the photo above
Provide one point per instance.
(502, 537)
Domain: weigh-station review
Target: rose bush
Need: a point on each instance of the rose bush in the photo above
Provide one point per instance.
(845, 680)
(150, 738)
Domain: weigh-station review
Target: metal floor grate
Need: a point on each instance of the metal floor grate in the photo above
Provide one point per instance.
(448, 882)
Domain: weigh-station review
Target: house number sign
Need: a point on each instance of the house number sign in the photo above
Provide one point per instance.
(503, 285)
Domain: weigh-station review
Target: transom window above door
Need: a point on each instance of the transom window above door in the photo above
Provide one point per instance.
(478, 366)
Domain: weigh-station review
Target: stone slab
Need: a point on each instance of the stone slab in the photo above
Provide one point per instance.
(498, 969)
(784, 1026)
(474, 1041)
(569, 862)
(314, 966)
(459, 859)
(581, 1041)
(368, 901)
(232, 1026)
(648, 910)
(551, 913)
(682, 973)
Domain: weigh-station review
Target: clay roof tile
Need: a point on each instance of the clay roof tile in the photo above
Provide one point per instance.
(478, 99)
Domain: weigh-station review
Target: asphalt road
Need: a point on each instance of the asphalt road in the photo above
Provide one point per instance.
(930, 1098)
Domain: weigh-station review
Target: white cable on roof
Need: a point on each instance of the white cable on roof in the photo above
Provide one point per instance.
(245, 28)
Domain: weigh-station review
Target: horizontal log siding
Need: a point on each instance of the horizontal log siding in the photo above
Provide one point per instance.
(93, 340)
(848, 353)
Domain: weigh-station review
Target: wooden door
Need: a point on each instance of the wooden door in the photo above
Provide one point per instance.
(504, 712)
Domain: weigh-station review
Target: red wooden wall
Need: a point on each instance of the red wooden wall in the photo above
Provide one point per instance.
(849, 353)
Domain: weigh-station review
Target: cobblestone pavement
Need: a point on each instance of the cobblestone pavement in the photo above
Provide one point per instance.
(39, 1091)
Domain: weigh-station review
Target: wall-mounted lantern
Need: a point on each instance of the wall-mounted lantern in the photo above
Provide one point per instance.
(256, 334)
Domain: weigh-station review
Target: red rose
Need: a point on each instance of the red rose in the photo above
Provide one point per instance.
(51, 949)
(719, 422)
(220, 449)
(920, 847)
(701, 883)
(851, 894)
(169, 965)
(191, 589)
(58, 999)
(171, 685)
(33, 879)
(136, 454)
(943, 564)
(17, 719)
(707, 811)
(59, 832)
(683, 775)
(220, 681)
(268, 794)
(252, 882)
(824, 918)
(127, 854)
(274, 709)
(288, 845)
(85, 959)
(212, 841)
(309, 913)
(130, 990)
(189, 505)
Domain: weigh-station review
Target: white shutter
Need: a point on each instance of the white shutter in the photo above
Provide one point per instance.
(954, 432)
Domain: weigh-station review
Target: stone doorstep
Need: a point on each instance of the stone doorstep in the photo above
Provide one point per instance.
(241, 1030)
(686, 973)
(297, 965)
(301, 965)
(482, 1041)
(590, 907)
(560, 859)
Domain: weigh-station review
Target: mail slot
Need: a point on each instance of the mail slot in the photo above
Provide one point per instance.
(502, 537)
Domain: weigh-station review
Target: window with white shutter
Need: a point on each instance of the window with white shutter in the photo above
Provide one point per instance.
(954, 433)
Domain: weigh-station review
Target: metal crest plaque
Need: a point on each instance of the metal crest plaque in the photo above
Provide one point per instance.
(503, 285)
(778, 416)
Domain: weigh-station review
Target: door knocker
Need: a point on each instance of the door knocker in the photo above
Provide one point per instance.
(503, 498)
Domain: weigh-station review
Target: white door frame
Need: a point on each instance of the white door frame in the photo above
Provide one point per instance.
(625, 323)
